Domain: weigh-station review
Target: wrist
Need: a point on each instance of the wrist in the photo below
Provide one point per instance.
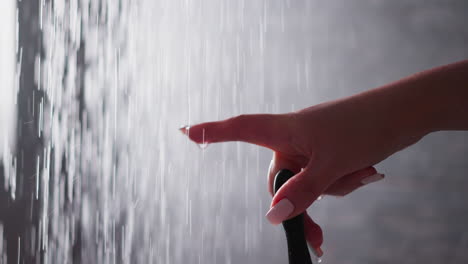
(439, 97)
(398, 112)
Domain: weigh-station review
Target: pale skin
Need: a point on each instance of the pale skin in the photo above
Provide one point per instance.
(332, 147)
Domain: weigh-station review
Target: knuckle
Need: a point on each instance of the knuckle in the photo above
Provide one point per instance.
(294, 133)
(240, 118)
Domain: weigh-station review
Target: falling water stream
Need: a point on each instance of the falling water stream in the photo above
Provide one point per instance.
(114, 181)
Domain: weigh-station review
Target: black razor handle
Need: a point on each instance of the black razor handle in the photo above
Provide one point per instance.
(298, 252)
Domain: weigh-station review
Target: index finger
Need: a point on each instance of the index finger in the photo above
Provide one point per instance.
(261, 129)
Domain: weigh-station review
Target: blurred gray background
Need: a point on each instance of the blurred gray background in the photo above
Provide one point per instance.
(117, 183)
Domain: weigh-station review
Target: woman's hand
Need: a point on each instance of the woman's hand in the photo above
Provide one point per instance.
(332, 146)
(331, 152)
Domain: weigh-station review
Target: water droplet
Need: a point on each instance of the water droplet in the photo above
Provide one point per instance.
(319, 198)
(203, 145)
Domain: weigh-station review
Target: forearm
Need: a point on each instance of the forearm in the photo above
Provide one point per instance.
(429, 101)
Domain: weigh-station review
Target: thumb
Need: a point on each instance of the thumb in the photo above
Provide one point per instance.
(297, 194)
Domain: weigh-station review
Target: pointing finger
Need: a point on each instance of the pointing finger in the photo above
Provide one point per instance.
(266, 130)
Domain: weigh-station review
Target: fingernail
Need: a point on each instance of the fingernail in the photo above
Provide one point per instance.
(372, 178)
(317, 252)
(280, 211)
(184, 129)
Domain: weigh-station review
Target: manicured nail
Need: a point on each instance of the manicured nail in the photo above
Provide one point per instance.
(317, 252)
(372, 178)
(280, 211)
(184, 129)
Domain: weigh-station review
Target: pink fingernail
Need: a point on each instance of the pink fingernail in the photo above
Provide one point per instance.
(184, 130)
(280, 211)
(317, 252)
(372, 178)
